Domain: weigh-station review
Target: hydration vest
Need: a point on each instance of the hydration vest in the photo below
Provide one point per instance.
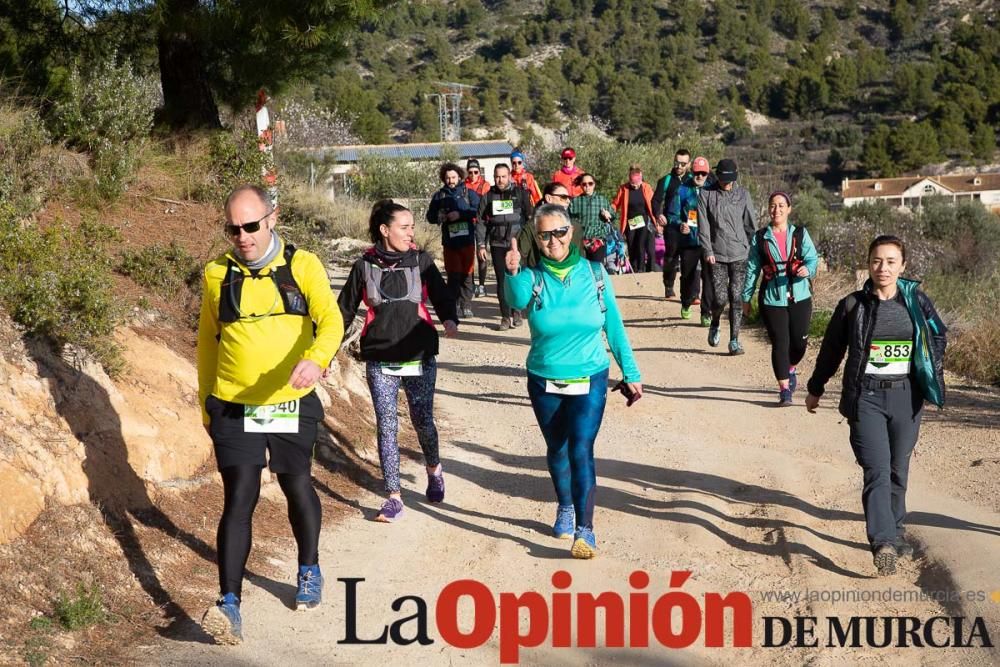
(535, 302)
(373, 284)
(769, 265)
(284, 282)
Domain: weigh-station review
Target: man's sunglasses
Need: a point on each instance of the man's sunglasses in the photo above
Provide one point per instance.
(559, 233)
(564, 197)
(249, 227)
(681, 164)
(701, 173)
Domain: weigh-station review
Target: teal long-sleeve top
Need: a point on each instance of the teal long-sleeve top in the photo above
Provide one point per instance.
(775, 291)
(566, 339)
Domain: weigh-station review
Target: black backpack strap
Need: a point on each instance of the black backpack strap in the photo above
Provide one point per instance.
(291, 296)
(230, 291)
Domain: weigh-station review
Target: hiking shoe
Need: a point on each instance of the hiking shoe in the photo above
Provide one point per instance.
(480, 290)
(467, 312)
(903, 548)
(223, 621)
(785, 397)
(735, 348)
(706, 321)
(435, 487)
(504, 324)
(516, 320)
(565, 521)
(671, 293)
(310, 592)
(713, 336)
(793, 381)
(392, 509)
(584, 543)
(685, 313)
(696, 302)
(885, 560)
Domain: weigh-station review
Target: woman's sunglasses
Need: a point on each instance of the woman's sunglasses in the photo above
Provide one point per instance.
(588, 184)
(559, 233)
(516, 162)
(473, 172)
(249, 227)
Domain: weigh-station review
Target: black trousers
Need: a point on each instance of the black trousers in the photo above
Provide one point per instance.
(883, 438)
(691, 280)
(675, 244)
(641, 249)
(499, 254)
(788, 329)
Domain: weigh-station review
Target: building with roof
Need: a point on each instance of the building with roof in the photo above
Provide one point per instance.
(909, 191)
(344, 158)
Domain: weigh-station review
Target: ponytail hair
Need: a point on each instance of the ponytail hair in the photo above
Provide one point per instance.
(383, 212)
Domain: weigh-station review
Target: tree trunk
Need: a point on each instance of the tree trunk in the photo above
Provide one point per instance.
(187, 96)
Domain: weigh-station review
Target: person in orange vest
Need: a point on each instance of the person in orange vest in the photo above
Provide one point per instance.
(569, 172)
(475, 181)
(634, 203)
(524, 179)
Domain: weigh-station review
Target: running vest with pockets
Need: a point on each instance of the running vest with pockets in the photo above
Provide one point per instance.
(769, 265)
(288, 289)
(595, 269)
(373, 284)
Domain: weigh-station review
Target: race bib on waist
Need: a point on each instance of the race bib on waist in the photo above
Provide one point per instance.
(889, 357)
(406, 369)
(277, 418)
(503, 206)
(457, 232)
(573, 387)
(636, 222)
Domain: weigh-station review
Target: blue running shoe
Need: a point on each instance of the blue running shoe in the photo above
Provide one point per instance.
(793, 380)
(735, 348)
(584, 543)
(565, 521)
(713, 336)
(785, 398)
(435, 487)
(223, 621)
(310, 592)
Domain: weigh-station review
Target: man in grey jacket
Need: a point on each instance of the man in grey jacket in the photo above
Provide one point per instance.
(727, 225)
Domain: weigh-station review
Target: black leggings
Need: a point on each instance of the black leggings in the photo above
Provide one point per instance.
(788, 329)
(241, 488)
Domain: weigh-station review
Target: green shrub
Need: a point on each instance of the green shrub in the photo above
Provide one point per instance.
(161, 268)
(235, 158)
(26, 162)
(108, 111)
(63, 287)
(820, 320)
(379, 177)
(82, 609)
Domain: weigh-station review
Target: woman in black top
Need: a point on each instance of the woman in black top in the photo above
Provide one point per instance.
(399, 341)
(895, 343)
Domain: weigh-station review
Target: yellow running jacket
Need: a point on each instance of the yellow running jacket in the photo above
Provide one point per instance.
(250, 360)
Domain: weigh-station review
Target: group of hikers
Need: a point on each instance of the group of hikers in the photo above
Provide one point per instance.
(270, 324)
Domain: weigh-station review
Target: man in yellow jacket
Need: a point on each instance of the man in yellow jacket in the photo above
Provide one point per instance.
(269, 325)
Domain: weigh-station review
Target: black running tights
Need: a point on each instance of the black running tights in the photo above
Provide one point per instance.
(241, 488)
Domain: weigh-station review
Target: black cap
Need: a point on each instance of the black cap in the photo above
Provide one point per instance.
(726, 171)
(472, 163)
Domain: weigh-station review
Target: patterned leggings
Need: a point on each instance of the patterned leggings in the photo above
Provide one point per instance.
(420, 397)
(727, 280)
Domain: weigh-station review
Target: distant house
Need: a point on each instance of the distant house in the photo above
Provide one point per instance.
(909, 191)
(344, 158)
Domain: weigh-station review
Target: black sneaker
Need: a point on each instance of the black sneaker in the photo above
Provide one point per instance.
(516, 320)
(885, 560)
(671, 293)
(504, 324)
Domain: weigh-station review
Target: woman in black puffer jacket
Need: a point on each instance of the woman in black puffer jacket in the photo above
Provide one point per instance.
(895, 342)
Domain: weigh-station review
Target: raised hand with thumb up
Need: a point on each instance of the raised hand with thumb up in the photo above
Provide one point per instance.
(513, 259)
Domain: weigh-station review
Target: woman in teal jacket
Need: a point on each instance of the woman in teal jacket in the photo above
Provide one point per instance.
(787, 258)
(569, 302)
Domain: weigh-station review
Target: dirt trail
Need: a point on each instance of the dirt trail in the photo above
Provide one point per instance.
(704, 474)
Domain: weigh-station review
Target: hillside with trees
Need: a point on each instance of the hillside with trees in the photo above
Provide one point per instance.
(877, 88)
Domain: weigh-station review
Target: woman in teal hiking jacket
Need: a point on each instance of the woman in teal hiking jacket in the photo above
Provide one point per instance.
(569, 303)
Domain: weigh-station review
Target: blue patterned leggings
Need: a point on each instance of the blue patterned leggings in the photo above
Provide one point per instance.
(420, 397)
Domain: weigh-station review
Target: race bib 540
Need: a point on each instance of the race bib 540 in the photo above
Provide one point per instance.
(277, 418)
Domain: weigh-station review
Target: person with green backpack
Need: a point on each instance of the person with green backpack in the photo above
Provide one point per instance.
(569, 303)
(895, 343)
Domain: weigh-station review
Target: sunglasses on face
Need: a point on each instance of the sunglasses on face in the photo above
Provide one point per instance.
(473, 172)
(249, 227)
(680, 164)
(559, 233)
(516, 162)
(560, 196)
(568, 158)
(588, 184)
(700, 173)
